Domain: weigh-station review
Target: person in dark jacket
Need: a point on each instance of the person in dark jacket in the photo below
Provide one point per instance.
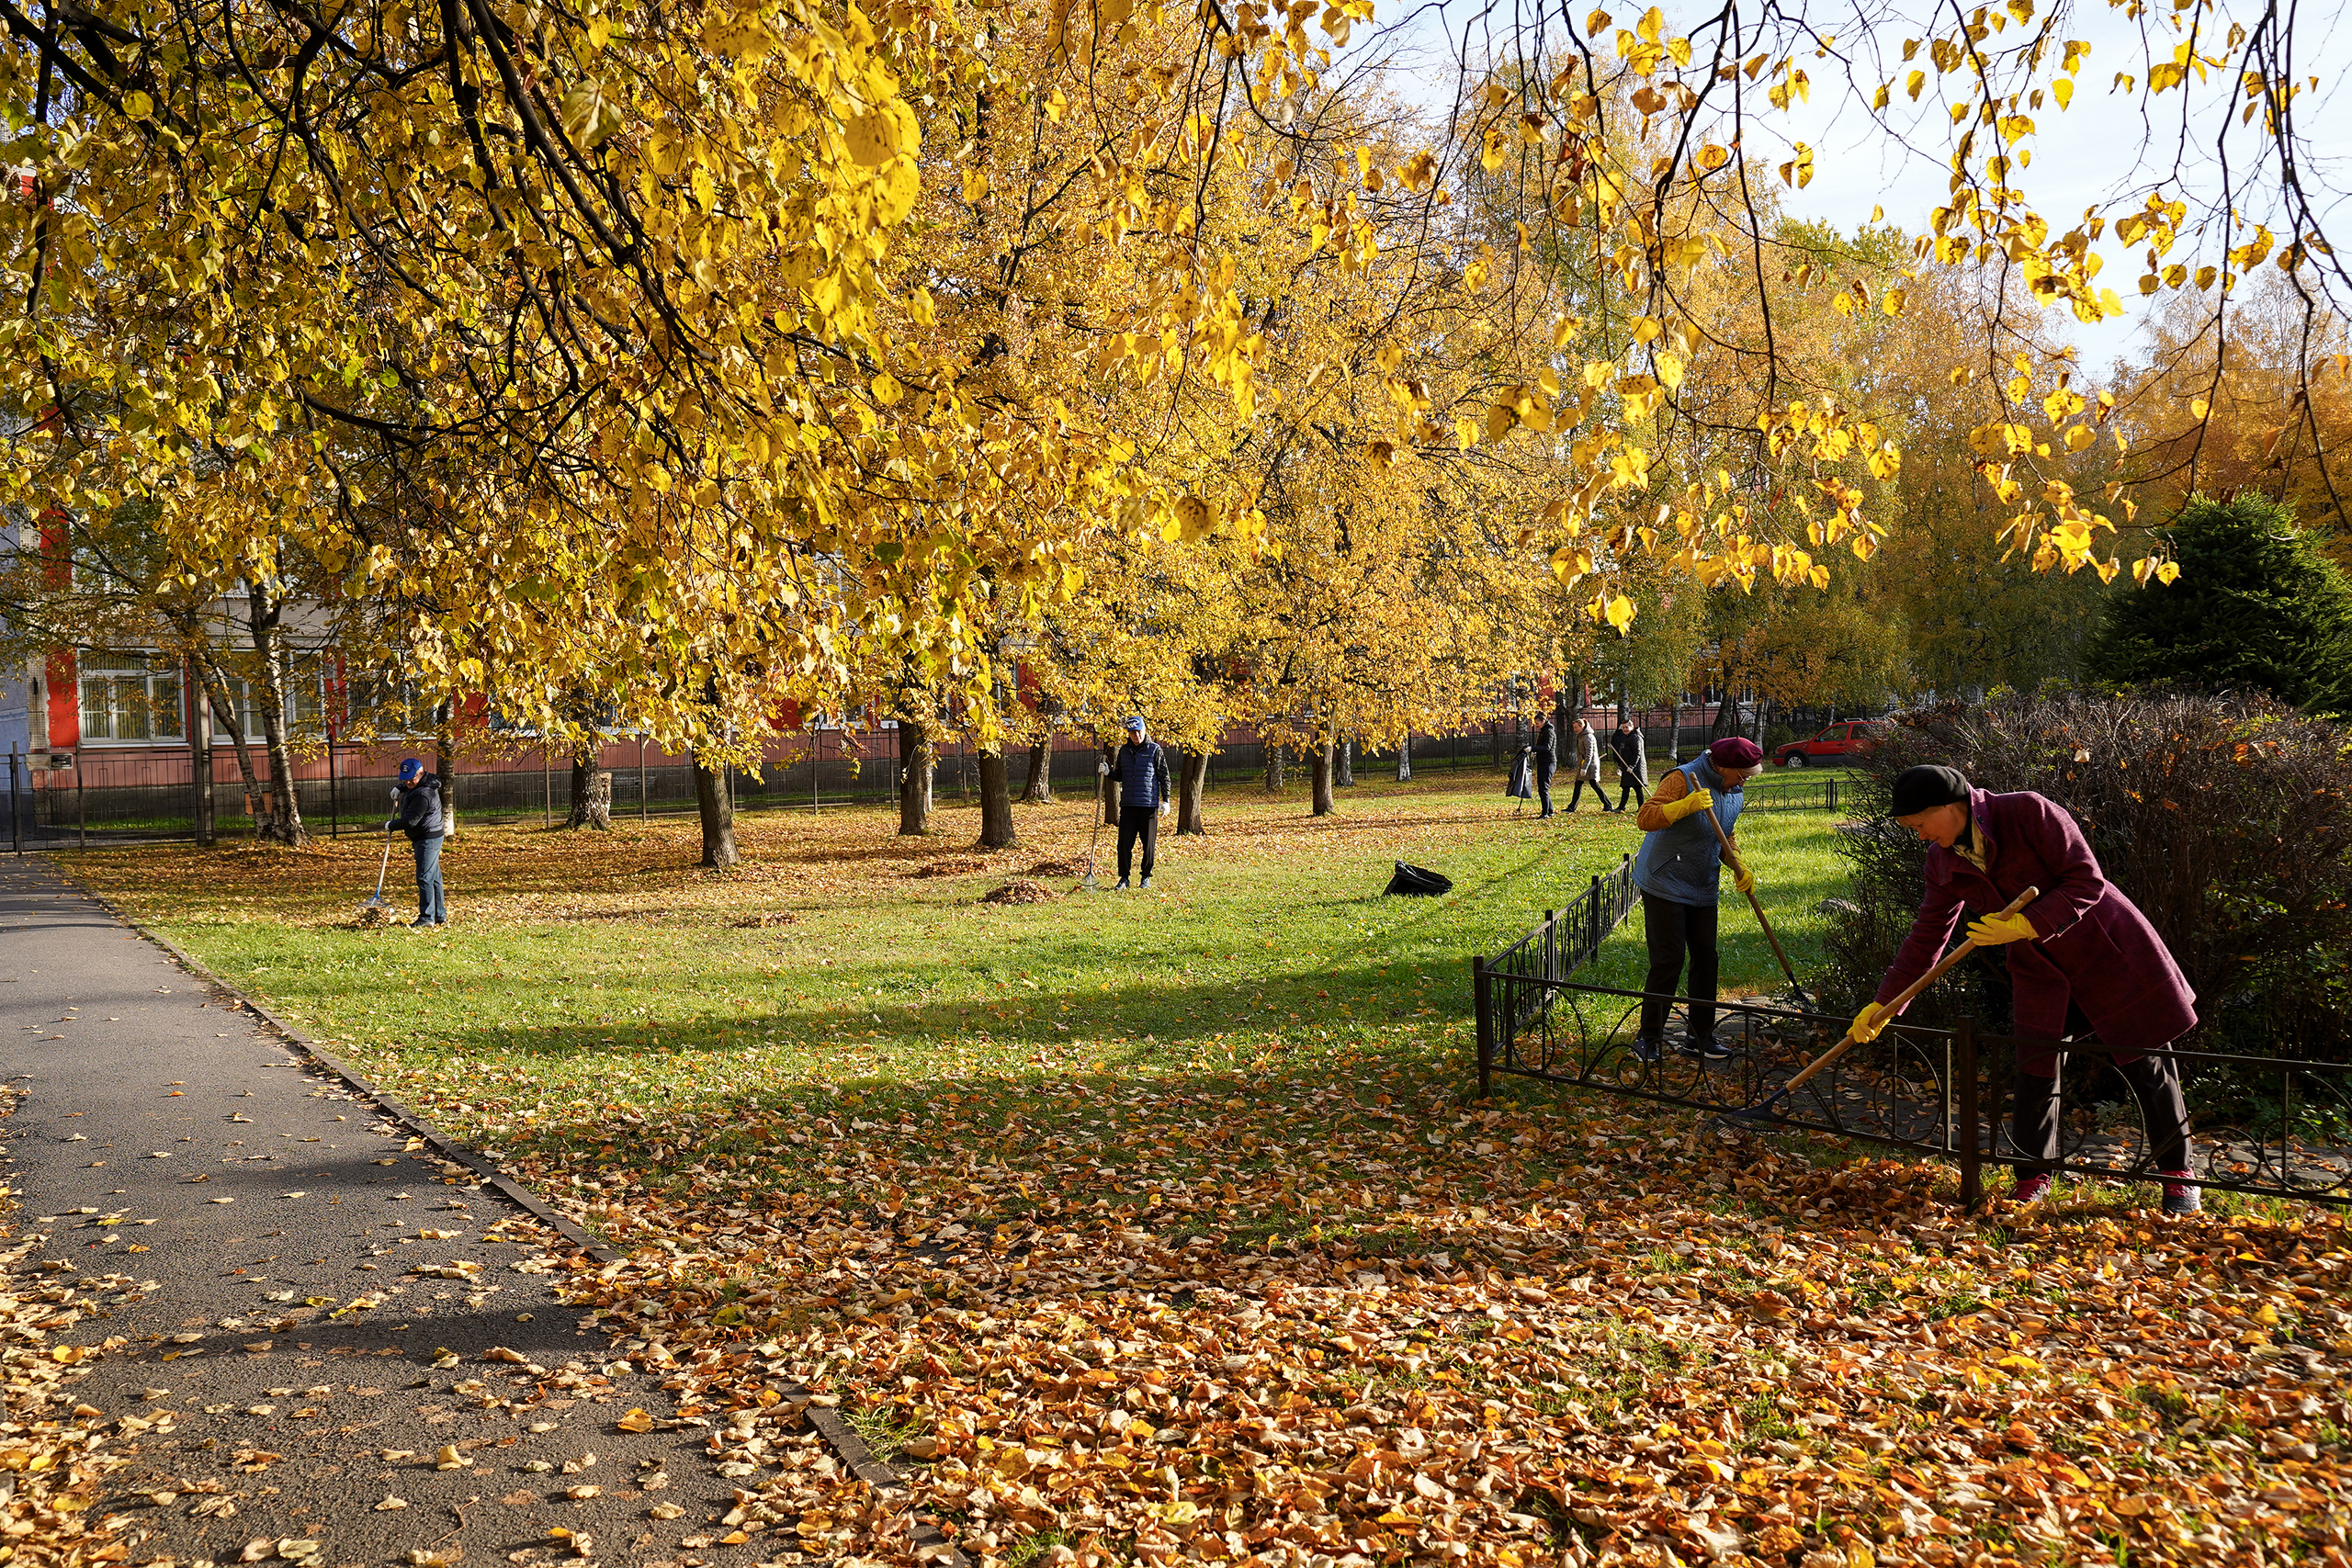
(421, 818)
(2081, 946)
(1544, 754)
(1633, 764)
(1143, 799)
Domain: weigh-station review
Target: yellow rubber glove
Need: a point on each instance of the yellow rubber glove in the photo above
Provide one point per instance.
(1697, 800)
(1993, 930)
(1867, 1024)
(1742, 879)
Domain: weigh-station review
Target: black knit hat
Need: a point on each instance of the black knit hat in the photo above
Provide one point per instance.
(1926, 787)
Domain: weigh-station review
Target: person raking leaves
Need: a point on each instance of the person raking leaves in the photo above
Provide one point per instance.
(1143, 799)
(1679, 873)
(421, 818)
(2082, 946)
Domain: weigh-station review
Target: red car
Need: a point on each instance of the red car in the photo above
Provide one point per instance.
(1835, 740)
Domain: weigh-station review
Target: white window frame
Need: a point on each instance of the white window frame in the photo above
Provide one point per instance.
(117, 671)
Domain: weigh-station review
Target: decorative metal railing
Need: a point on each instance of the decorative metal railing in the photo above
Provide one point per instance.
(2264, 1125)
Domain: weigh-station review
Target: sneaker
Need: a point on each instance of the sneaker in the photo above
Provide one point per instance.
(1708, 1050)
(419, 924)
(2181, 1194)
(1647, 1047)
(1146, 884)
(2031, 1188)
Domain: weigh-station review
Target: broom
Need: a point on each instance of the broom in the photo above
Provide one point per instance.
(1902, 1000)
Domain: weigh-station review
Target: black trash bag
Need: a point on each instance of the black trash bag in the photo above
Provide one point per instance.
(1412, 882)
(1522, 780)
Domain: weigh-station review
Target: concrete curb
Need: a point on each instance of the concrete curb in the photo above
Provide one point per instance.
(931, 1542)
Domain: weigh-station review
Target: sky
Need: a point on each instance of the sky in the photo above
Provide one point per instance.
(2110, 145)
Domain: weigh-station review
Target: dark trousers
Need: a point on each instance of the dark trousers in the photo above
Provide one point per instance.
(2155, 1083)
(1543, 786)
(1673, 930)
(1582, 781)
(429, 905)
(1629, 782)
(1137, 821)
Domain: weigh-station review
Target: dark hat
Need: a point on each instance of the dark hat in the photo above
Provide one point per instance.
(1134, 721)
(1925, 787)
(412, 770)
(1736, 751)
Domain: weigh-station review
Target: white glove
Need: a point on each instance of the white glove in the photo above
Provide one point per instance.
(1165, 807)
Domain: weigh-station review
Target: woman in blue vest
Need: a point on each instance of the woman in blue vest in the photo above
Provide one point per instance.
(1679, 872)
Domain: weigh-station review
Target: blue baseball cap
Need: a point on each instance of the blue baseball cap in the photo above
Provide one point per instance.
(1134, 721)
(411, 770)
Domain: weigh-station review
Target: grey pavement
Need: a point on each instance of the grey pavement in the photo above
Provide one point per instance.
(310, 1294)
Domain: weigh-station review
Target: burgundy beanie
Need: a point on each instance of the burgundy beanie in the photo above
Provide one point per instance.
(1736, 751)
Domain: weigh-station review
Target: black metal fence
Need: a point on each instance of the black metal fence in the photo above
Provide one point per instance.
(2264, 1125)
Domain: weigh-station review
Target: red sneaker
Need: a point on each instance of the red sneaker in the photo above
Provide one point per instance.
(2181, 1194)
(2031, 1188)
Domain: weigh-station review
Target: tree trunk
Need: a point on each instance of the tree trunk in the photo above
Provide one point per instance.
(1674, 759)
(1039, 791)
(996, 802)
(1274, 766)
(717, 815)
(225, 714)
(199, 762)
(1344, 765)
(1320, 765)
(1405, 761)
(265, 618)
(445, 768)
(918, 760)
(1106, 787)
(1727, 714)
(1192, 783)
(1758, 736)
(591, 794)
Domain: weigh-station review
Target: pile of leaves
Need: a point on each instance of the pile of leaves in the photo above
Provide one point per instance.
(1400, 1327)
(951, 865)
(51, 1442)
(1020, 890)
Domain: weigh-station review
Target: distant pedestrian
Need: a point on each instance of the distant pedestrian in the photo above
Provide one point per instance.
(1633, 763)
(422, 817)
(1545, 753)
(1583, 755)
(1143, 799)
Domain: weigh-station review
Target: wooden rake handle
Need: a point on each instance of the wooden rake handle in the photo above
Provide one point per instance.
(1755, 903)
(1904, 997)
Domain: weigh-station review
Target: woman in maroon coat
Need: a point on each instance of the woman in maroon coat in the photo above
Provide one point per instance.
(2082, 941)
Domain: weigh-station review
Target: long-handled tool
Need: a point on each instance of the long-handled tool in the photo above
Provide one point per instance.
(1902, 1000)
(1758, 905)
(376, 899)
(1085, 883)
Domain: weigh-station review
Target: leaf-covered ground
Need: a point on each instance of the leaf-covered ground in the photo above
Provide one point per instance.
(1164, 1226)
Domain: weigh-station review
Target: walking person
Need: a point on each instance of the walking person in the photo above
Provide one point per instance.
(1583, 755)
(2082, 947)
(1679, 873)
(1633, 763)
(421, 817)
(1143, 799)
(1544, 754)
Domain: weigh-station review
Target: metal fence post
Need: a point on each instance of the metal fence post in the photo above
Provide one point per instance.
(1833, 793)
(547, 786)
(334, 800)
(1972, 1154)
(1482, 992)
(15, 818)
(81, 804)
(640, 781)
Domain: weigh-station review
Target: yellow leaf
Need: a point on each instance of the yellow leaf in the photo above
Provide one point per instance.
(1620, 613)
(2197, 409)
(637, 1420)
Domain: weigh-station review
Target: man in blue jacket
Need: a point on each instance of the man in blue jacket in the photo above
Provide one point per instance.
(1143, 797)
(420, 817)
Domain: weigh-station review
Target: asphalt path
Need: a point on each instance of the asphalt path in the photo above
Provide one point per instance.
(303, 1367)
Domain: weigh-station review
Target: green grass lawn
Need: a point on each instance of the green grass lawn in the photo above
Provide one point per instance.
(604, 964)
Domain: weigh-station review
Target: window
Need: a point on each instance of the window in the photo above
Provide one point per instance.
(128, 697)
(306, 702)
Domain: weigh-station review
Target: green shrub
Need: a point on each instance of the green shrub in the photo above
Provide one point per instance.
(2226, 819)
